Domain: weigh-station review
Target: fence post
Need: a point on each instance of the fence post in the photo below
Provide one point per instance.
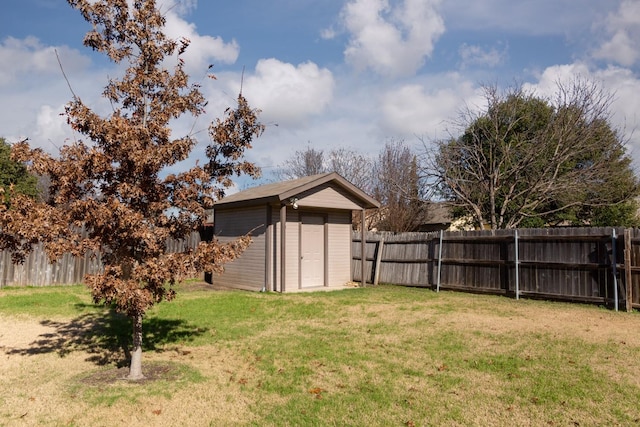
(439, 263)
(363, 249)
(517, 268)
(615, 268)
(376, 273)
(627, 269)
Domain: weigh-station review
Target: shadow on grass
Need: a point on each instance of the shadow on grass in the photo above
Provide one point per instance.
(107, 337)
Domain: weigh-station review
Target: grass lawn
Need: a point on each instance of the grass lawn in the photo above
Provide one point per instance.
(380, 356)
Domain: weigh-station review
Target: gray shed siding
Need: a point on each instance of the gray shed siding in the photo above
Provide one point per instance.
(276, 251)
(328, 195)
(247, 271)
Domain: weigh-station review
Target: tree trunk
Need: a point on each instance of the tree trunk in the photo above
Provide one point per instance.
(135, 368)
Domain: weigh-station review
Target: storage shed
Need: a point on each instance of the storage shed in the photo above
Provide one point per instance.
(301, 232)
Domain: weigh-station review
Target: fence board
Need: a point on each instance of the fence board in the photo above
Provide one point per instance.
(635, 270)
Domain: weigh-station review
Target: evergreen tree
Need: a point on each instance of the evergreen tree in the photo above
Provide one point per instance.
(14, 175)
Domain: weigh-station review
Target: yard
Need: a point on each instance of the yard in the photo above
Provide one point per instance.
(379, 356)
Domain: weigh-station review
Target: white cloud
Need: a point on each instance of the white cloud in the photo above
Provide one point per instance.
(623, 29)
(413, 109)
(289, 94)
(22, 57)
(477, 55)
(51, 127)
(548, 80)
(202, 50)
(34, 91)
(328, 33)
(391, 39)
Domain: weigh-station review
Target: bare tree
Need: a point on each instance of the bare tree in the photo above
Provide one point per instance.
(353, 166)
(400, 189)
(114, 186)
(531, 161)
(303, 163)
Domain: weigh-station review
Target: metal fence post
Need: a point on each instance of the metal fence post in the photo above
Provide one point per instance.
(439, 262)
(517, 268)
(615, 268)
(628, 278)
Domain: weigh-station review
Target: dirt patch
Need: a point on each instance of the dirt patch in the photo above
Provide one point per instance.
(21, 332)
(153, 371)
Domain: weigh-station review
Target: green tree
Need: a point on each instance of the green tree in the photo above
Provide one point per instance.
(118, 187)
(14, 175)
(529, 162)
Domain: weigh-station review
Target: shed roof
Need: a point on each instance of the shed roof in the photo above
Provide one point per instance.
(279, 191)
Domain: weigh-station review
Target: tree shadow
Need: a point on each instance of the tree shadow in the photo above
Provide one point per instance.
(107, 337)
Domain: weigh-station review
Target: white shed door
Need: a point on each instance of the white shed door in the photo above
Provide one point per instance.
(312, 251)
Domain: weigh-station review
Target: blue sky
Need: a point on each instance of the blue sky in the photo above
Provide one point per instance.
(334, 73)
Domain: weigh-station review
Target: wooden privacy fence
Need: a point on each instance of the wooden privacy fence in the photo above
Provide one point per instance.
(598, 265)
(37, 270)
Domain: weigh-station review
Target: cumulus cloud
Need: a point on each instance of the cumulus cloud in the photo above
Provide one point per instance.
(391, 38)
(51, 128)
(34, 90)
(203, 50)
(29, 56)
(288, 94)
(413, 109)
(623, 30)
(328, 33)
(471, 55)
(565, 74)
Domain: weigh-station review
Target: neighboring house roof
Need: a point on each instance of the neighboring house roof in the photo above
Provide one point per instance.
(438, 213)
(281, 191)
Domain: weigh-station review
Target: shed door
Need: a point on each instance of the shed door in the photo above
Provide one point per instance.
(312, 246)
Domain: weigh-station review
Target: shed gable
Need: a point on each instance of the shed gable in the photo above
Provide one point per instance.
(328, 195)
